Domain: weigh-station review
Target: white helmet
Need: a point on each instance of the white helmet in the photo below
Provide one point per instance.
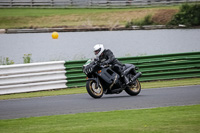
(98, 49)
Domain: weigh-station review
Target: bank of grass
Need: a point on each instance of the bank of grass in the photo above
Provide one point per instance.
(34, 18)
(180, 119)
(147, 20)
(145, 85)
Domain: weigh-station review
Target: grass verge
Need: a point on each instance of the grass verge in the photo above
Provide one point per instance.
(181, 119)
(35, 18)
(145, 85)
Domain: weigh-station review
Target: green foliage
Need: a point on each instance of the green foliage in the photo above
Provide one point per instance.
(188, 15)
(27, 58)
(6, 61)
(129, 24)
(147, 20)
(177, 119)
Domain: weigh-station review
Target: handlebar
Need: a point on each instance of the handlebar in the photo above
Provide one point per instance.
(100, 64)
(104, 66)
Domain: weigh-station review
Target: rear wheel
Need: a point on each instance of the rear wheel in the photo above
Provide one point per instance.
(134, 89)
(94, 90)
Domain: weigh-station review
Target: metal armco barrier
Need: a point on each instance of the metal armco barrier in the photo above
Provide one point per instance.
(32, 77)
(155, 67)
(87, 3)
(60, 74)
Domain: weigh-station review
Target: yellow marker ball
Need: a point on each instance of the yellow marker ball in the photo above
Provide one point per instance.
(55, 35)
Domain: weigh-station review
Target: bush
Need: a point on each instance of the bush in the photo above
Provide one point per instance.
(146, 21)
(27, 58)
(129, 24)
(188, 15)
(6, 61)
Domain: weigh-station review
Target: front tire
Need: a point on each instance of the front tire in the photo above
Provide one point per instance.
(93, 90)
(134, 89)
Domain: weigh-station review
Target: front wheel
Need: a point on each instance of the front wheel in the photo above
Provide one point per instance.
(134, 89)
(94, 90)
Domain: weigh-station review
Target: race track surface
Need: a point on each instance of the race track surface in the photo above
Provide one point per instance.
(79, 103)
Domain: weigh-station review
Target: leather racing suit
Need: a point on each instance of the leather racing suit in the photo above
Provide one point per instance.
(107, 57)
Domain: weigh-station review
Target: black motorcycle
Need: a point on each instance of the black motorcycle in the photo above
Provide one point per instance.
(102, 79)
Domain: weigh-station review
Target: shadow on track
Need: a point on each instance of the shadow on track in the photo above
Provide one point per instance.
(117, 96)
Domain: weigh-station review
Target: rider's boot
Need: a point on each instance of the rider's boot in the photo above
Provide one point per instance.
(126, 80)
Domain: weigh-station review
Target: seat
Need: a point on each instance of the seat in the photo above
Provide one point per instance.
(126, 66)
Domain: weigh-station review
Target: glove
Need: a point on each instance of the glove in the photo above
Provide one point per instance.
(96, 59)
(104, 63)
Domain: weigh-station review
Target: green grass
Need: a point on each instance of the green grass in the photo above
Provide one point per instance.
(34, 18)
(147, 20)
(16, 12)
(181, 119)
(48, 12)
(145, 85)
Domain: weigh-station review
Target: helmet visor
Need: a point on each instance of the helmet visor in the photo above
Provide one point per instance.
(97, 51)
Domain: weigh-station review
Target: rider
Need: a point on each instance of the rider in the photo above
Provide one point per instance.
(106, 57)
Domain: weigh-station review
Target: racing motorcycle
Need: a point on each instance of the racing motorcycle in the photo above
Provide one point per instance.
(102, 79)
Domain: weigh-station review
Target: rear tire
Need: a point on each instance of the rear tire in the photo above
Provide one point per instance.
(135, 89)
(93, 90)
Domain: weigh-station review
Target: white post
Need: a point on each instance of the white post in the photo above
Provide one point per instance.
(71, 1)
(32, 3)
(128, 2)
(11, 2)
(108, 2)
(90, 3)
(52, 3)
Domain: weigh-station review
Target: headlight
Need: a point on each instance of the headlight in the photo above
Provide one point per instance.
(85, 71)
(89, 70)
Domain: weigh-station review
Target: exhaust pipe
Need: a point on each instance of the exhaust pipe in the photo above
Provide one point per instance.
(136, 76)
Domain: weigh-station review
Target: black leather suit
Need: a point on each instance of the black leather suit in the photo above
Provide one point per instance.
(107, 57)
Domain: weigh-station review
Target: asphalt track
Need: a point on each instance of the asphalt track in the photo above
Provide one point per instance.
(79, 103)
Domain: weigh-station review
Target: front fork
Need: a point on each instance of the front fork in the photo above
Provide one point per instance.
(96, 80)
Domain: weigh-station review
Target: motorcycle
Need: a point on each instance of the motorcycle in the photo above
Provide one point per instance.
(101, 79)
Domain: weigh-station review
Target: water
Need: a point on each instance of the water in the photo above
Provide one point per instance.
(79, 45)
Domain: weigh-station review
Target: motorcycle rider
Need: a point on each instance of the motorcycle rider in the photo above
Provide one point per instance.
(106, 57)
